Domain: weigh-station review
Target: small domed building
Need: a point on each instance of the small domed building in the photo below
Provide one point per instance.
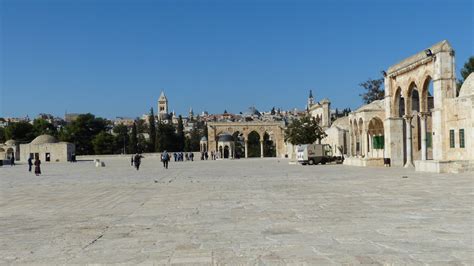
(203, 144)
(225, 146)
(48, 149)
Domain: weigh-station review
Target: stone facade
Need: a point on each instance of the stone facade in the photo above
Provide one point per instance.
(47, 149)
(366, 135)
(425, 124)
(9, 148)
(322, 112)
(275, 130)
(338, 136)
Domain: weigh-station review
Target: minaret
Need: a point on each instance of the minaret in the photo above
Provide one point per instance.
(162, 105)
(310, 99)
(191, 113)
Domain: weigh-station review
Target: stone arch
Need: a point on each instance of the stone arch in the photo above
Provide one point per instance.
(253, 144)
(425, 94)
(397, 103)
(269, 147)
(376, 137)
(239, 143)
(412, 99)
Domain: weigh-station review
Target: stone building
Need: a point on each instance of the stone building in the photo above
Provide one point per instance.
(9, 148)
(366, 135)
(268, 133)
(338, 136)
(413, 125)
(320, 110)
(422, 121)
(226, 146)
(48, 149)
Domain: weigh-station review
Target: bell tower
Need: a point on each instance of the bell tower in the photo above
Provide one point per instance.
(162, 105)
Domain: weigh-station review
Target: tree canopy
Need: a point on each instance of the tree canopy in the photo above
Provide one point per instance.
(373, 90)
(304, 131)
(81, 132)
(21, 131)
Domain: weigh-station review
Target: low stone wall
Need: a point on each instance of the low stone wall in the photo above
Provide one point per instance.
(363, 162)
(157, 155)
(434, 166)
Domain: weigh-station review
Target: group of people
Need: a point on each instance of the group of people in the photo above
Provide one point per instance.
(181, 156)
(136, 160)
(36, 163)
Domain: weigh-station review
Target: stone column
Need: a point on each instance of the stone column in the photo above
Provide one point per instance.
(409, 151)
(423, 117)
(261, 148)
(350, 144)
(246, 148)
(370, 149)
(364, 143)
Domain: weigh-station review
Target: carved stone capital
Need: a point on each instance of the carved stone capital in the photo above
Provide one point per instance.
(423, 115)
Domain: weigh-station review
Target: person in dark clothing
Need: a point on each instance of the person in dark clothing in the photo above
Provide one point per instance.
(175, 156)
(131, 161)
(12, 160)
(165, 158)
(30, 163)
(191, 156)
(37, 166)
(137, 160)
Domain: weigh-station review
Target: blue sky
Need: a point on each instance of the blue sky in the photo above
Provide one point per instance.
(113, 58)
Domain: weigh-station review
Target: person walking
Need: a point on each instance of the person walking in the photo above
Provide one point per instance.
(191, 156)
(12, 160)
(165, 158)
(37, 166)
(131, 161)
(30, 163)
(137, 160)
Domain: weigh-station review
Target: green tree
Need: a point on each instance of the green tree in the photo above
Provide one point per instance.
(152, 131)
(103, 143)
(467, 69)
(373, 90)
(166, 138)
(42, 126)
(133, 143)
(121, 138)
(81, 132)
(304, 131)
(2, 135)
(194, 139)
(180, 134)
(21, 131)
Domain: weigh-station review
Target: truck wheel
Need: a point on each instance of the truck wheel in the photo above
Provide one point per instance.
(310, 162)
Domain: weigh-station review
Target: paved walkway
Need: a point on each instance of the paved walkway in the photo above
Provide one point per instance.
(235, 212)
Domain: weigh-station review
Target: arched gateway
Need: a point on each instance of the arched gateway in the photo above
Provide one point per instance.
(416, 90)
(271, 136)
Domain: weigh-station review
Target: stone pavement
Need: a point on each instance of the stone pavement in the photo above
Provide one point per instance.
(261, 211)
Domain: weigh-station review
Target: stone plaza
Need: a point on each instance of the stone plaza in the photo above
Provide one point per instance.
(249, 211)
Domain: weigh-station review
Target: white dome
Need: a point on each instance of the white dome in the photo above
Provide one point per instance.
(467, 87)
(10, 142)
(43, 139)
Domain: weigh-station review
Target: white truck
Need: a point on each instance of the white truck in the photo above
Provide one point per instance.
(314, 154)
